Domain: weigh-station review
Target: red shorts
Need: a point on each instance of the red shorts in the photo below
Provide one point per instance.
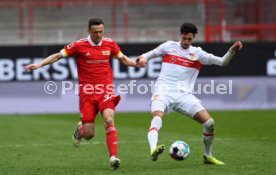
(90, 105)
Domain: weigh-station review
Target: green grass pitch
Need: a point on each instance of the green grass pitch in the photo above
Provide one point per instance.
(41, 144)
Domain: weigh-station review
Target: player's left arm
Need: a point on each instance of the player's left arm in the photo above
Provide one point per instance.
(223, 61)
(127, 61)
(116, 52)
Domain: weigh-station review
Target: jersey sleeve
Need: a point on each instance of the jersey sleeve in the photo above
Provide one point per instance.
(70, 49)
(210, 59)
(157, 52)
(116, 51)
(204, 57)
(161, 49)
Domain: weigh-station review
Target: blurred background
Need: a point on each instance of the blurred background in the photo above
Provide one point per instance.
(32, 29)
(62, 21)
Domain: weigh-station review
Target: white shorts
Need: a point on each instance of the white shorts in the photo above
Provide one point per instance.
(186, 104)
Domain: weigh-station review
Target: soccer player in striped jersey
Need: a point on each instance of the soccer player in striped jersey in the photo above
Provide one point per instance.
(96, 89)
(173, 89)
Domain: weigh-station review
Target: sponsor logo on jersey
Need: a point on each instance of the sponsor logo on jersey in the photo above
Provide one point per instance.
(96, 61)
(107, 52)
(185, 61)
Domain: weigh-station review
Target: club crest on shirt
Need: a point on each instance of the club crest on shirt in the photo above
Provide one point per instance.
(70, 46)
(107, 52)
(192, 57)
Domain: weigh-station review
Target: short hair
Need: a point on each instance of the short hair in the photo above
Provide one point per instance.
(94, 21)
(188, 28)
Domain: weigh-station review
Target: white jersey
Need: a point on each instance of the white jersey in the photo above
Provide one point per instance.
(180, 67)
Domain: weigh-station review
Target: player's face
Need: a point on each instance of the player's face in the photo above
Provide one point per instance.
(186, 40)
(96, 33)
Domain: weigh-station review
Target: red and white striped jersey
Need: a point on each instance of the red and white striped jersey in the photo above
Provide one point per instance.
(180, 67)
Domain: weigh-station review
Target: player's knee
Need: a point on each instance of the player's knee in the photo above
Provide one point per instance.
(157, 108)
(209, 125)
(158, 113)
(88, 135)
(109, 121)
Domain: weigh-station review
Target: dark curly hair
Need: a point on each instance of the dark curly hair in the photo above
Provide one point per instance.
(188, 28)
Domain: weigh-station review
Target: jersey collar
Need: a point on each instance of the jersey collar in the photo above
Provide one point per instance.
(92, 43)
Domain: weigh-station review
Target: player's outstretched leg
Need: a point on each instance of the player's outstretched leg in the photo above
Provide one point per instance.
(158, 150)
(211, 160)
(76, 138)
(114, 162)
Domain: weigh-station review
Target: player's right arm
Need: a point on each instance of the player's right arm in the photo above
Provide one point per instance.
(157, 52)
(49, 60)
(68, 50)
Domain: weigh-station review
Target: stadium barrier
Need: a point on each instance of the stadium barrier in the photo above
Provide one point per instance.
(247, 83)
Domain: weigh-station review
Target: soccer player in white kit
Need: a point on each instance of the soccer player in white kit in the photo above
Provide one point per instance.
(173, 89)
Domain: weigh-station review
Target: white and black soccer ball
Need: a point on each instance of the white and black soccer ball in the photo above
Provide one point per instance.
(179, 150)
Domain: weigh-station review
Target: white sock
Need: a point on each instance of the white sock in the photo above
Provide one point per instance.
(156, 124)
(208, 137)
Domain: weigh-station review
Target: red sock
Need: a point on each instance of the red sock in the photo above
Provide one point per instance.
(111, 140)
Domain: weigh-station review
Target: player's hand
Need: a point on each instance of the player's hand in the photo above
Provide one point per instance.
(236, 47)
(31, 67)
(141, 61)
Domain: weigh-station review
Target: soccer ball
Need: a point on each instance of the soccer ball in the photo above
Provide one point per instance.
(179, 150)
